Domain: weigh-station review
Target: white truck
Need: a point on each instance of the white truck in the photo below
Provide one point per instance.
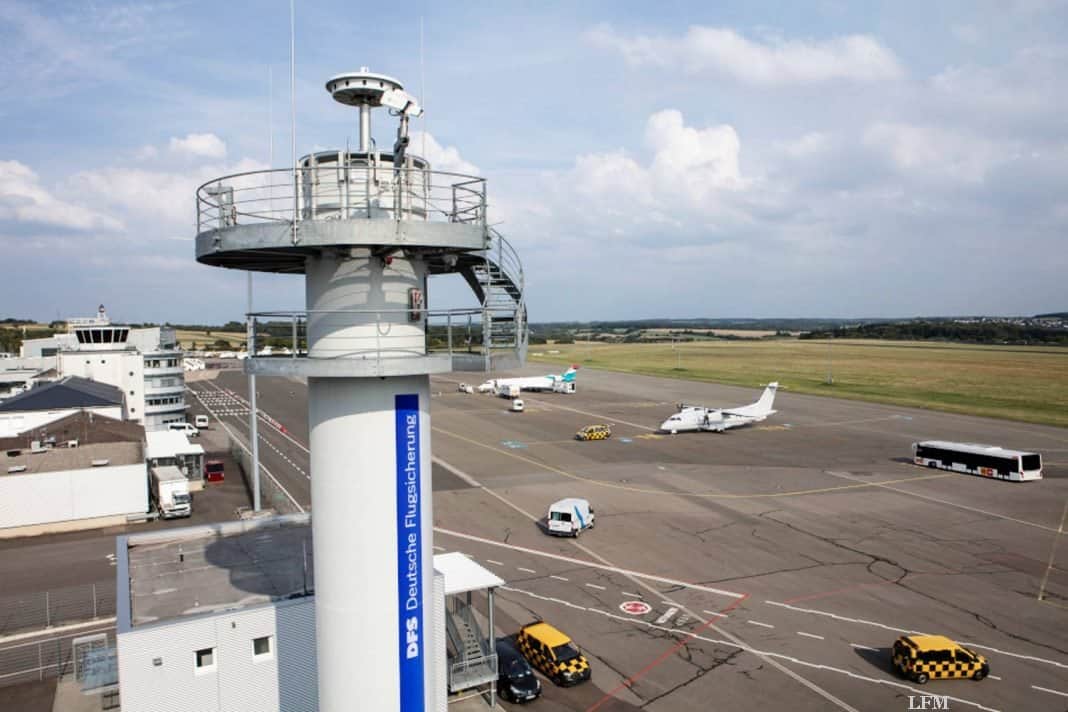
(510, 391)
(170, 491)
(569, 517)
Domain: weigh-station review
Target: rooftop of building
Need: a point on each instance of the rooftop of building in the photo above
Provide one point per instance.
(168, 443)
(214, 567)
(84, 426)
(231, 565)
(60, 459)
(69, 392)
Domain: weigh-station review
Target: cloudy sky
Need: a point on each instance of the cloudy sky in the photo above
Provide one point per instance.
(669, 159)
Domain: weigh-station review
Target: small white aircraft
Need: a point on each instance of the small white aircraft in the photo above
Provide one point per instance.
(564, 383)
(695, 417)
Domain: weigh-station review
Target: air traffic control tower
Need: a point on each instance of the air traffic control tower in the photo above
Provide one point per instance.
(367, 228)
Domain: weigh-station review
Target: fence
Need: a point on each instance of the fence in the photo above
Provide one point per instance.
(53, 657)
(49, 609)
(271, 493)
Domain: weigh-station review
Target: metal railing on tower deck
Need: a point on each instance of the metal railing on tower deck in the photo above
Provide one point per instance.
(349, 189)
(372, 334)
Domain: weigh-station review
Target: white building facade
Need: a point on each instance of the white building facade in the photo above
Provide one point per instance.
(146, 364)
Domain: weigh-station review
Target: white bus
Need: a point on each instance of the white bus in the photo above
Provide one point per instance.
(982, 460)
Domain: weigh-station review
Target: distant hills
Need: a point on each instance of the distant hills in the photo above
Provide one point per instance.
(1049, 328)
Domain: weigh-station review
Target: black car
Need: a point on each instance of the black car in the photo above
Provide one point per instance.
(515, 681)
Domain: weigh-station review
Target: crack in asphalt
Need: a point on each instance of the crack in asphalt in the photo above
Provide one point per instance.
(900, 581)
(702, 670)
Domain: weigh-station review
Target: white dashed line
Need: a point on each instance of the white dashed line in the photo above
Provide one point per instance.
(762, 625)
(898, 629)
(863, 647)
(810, 635)
(714, 613)
(558, 578)
(632, 595)
(599, 588)
(529, 571)
(994, 677)
(1052, 692)
(495, 563)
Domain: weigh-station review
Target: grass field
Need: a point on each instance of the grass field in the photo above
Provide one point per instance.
(204, 341)
(1015, 382)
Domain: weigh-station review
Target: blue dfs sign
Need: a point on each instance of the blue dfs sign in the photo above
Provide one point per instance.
(409, 554)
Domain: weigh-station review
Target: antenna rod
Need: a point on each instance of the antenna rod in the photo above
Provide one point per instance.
(422, 87)
(293, 78)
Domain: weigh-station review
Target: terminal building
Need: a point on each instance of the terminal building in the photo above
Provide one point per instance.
(145, 364)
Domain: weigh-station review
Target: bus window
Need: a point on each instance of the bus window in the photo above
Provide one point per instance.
(1032, 462)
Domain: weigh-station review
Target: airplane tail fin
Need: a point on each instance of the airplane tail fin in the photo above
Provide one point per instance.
(767, 398)
(569, 375)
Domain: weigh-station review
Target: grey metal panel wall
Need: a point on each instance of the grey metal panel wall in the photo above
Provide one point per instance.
(71, 495)
(173, 685)
(283, 682)
(441, 673)
(298, 679)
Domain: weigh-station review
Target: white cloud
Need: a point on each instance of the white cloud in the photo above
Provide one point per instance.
(933, 152)
(201, 145)
(23, 199)
(164, 200)
(811, 144)
(724, 51)
(442, 158)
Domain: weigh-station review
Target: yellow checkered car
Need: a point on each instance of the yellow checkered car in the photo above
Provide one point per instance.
(594, 432)
(936, 657)
(553, 654)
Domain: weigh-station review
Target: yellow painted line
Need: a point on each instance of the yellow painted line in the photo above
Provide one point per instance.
(704, 495)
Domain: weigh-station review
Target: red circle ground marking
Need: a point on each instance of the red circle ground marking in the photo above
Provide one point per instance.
(635, 608)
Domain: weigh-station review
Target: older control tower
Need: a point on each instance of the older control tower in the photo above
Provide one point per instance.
(368, 228)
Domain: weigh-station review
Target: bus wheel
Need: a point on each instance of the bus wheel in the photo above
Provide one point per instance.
(979, 674)
(922, 678)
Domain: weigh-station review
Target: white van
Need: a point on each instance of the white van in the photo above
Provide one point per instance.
(188, 429)
(569, 516)
(201, 422)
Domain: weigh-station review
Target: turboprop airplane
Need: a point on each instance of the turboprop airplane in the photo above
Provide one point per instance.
(564, 383)
(695, 417)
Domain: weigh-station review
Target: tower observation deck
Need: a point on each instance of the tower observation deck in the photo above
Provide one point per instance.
(387, 207)
(368, 228)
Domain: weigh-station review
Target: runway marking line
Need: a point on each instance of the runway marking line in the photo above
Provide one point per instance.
(762, 625)
(608, 564)
(591, 564)
(1053, 552)
(1046, 689)
(529, 571)
(491, 561)
(898, 629)
(886, 485)
(633, 595)
(599, 588)
(810, 635)
(558, 578)
(703, 495)
(845, 589)
(262, 466)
